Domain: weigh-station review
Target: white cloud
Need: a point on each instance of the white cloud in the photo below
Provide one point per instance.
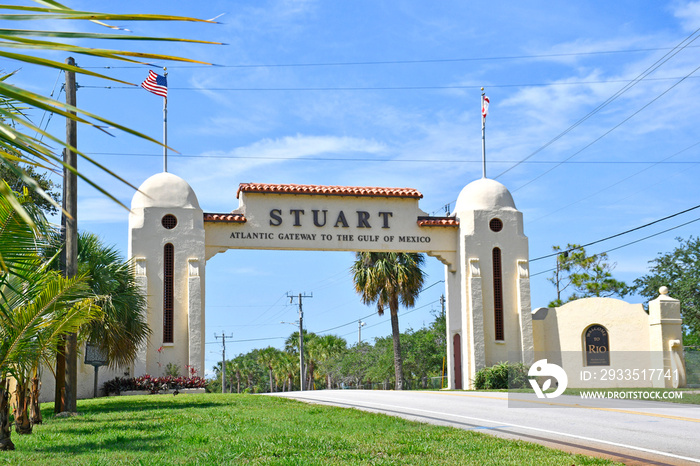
(281, 17)
(269, 151)
(300, 146)
(689, 15)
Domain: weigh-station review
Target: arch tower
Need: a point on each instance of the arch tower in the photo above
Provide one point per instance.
(488, 296)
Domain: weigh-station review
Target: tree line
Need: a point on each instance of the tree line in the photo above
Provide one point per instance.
(331, 363)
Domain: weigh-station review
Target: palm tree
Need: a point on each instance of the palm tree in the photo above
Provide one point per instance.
(266, 357)
(290, 366)
(389, 279)
(122, 329)
(329, 346)
(234, 367)
(248, 370)
(280, 371)
(64, 304)
(291, 346)
(37, 308)
(312, 354)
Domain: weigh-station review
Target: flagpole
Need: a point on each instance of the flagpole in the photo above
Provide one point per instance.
(158, 85)
(483, 136)
(165, 127)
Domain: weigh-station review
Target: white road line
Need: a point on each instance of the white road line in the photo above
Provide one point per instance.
(579, 437)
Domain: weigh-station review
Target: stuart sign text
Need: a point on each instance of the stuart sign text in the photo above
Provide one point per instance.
(329, 223)
(321, 219)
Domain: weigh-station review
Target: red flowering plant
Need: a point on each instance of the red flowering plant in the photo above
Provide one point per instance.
(192, 370)
(160, 351)
(152, 384)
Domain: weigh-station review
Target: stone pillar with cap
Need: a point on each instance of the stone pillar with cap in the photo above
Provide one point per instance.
(666, 340)
(488, 296)
(167, 246)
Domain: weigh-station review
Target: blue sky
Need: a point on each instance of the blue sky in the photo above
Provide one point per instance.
(373, 93)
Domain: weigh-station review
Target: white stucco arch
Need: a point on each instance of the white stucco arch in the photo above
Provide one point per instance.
(342, 218)
(333, 218)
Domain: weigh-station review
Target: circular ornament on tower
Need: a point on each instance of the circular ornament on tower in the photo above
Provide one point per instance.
(496, 225)
(169, 221)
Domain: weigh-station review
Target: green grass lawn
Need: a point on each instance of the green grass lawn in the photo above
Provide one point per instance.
(247, 429)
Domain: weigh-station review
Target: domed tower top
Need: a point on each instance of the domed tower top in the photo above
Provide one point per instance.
(165, 190)
(484, 194)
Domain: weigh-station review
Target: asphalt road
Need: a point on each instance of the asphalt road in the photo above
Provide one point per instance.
(632, 432)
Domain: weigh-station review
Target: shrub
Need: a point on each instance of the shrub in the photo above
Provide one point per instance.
(172, 370)
(213, 386)
(152, 384)
(503, 375)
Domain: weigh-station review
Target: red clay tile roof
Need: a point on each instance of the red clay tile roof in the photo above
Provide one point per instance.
(227, 218)
(438, 222)
(327, 190)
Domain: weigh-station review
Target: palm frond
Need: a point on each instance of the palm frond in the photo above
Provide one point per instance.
(55, 306)
(15, 143)
(388, 278)
(18, 237)
(95, 52)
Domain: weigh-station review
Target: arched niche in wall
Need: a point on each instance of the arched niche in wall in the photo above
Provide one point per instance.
(596, 345)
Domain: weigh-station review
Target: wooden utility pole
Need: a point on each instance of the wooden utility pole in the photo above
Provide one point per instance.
(70, 206)
(60, 387)
(223, 361)
(301, 337)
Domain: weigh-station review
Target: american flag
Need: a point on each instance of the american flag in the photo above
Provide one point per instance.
(156, 84)
(485, 108)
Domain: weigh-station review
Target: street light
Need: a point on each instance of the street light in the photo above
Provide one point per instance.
(360, 324)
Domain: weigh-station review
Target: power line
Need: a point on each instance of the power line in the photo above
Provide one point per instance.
(381, 88)
(43, 115)
(383, 160)
(648, 186)
(620, 181)
(610, 130)
(403, 313)
(252, 339)
(664, 161)
(655, 234)
(626, 244)
(400, 62)
(354, 321)
(622, 233)
(239, 325)
(655, 66)
(268, 309)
